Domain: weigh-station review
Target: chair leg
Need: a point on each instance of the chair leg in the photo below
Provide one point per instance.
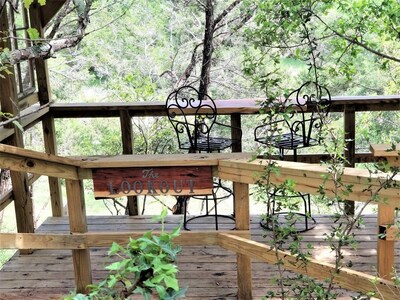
(215, 210)
(281, 153)
(307, 212)
(307, 208)
(215, 197)
(185, 199)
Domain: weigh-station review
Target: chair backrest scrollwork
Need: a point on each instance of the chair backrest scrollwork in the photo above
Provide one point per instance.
(192, 116)
(309, 105)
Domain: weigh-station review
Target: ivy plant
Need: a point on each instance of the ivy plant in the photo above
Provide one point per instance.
(145, 267)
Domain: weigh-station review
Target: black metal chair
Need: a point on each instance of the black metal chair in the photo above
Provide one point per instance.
(194, 118)
(305, 109)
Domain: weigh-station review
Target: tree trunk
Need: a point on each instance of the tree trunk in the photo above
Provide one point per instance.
(207, 49)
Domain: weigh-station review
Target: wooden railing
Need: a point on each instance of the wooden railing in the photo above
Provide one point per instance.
(235, 167)
(233, 107)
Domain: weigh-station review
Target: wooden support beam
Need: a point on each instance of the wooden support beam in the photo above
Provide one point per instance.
(385, 249)
(7, 196)
(316, 158)
(44, 96)
(386, 215)
(28, 118)
(6, 200)
(102, 239)
(127, 148)
(308, 179)
(346, 278)
(8, 100)
(50, 144)
(242, 221)
(241, 106)
(27, 161)
(37, 166)
(236, 123)
(350, 148)
(158, 160)
(78, 224)
(390, 232)
(29, 100)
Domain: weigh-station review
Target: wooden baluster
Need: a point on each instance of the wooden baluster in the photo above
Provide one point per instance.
(349, 152)
(78, 224)
(236, 122)
(49, 132)
(8, 100)
(242, 219)
(127, 148)
(386, 216)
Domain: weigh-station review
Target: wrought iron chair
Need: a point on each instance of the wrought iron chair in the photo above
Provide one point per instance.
(305, 110)
(194, 118)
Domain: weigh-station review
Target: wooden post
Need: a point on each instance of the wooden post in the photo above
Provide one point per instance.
(385, 248)
(9, 104)
(54, 183)
(236, 122)
(127, 148)
(49, 132)
(350, 150)
(242, 219)
(78, 224)
(386, 216)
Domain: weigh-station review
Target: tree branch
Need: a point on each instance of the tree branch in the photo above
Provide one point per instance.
(45, 48)
(356, 42)
(190, 67)
(60, 16)
(227, 11)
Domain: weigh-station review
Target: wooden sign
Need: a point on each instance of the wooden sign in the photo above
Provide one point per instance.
(113, 183)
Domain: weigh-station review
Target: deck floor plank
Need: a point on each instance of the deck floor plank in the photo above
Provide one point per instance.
(208, 271)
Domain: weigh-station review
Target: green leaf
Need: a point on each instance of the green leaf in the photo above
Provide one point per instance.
(42, 2)
(176, 232)
(164, 213)
(161, 291)
(27, 3)
(80, 297)
(171, 282)
(112, 281)
(114, 248)
(117, 265)
(33, 33)
(162, 216)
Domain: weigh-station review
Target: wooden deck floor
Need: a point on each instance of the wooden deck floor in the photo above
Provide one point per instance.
(208, 271)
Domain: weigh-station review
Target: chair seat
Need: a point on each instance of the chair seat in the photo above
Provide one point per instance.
(287, 141)
(213, 145)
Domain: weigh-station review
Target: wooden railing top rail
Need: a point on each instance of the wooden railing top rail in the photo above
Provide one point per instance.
(240, 106)
(28, 161)
(29, 117)
(309, 177)
(26, 153)
(158, 160)
(385, 150)
(236, 167)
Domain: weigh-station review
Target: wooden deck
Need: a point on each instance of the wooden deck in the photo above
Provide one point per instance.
(209, 272)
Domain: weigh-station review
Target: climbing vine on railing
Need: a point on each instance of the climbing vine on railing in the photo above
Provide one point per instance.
(282, 233)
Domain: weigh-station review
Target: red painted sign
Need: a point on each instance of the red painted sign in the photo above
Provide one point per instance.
(113, 183)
